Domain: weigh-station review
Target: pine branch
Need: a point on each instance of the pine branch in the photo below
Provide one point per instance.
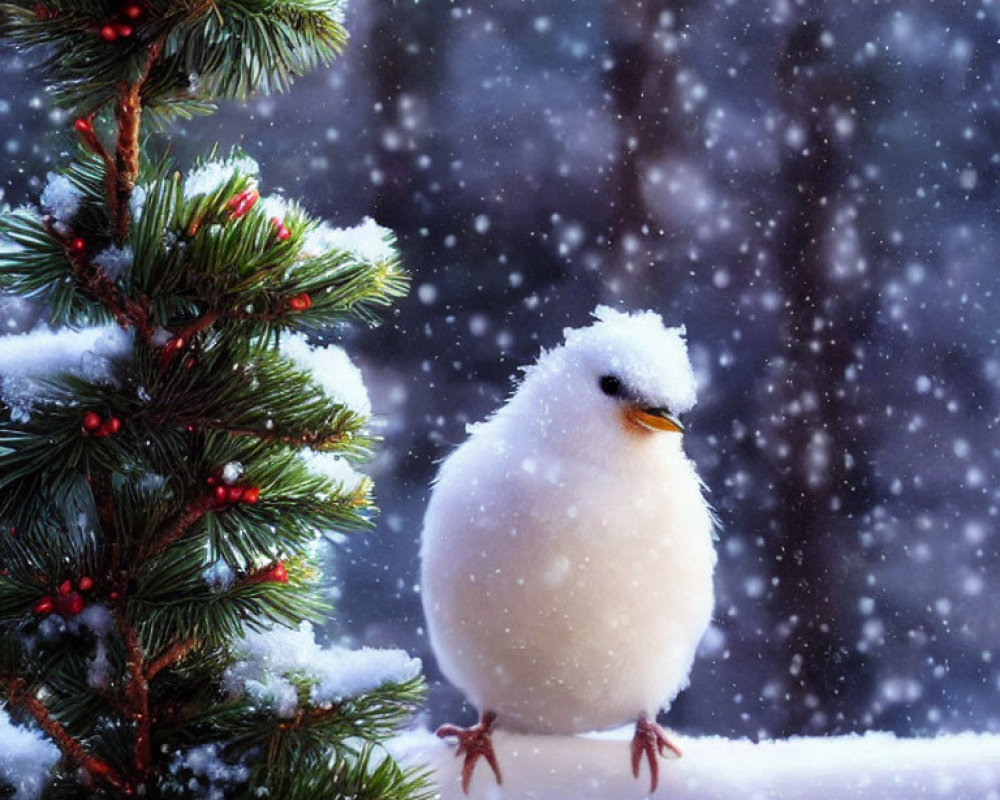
(19, 695)
(98, 285)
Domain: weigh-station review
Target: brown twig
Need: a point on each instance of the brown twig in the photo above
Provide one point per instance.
(19, 695)
(128, 115)
(174, 654)
(137, 693)
(176, 530)
(94, 144)
(205, 321)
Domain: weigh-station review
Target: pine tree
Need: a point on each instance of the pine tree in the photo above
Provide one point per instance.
(172, 453)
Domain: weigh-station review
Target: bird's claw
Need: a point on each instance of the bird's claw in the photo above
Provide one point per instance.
(650, 739)
(472, 743)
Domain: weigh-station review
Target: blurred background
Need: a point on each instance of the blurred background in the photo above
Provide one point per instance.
(810, 187)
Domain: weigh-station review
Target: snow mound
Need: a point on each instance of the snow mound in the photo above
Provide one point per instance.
(875, 766)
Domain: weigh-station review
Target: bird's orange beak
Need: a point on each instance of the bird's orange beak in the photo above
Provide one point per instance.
(654, 419)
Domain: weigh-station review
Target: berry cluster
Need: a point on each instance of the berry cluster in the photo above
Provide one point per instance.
(94, 425)
(123, 24)
(67, 601)
(226, 495)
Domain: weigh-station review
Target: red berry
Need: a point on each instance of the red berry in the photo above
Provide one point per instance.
(277, 574)
(221, 494)
(132, 11)
(114, 596)
(234, 494)
(91, 421)
(300, 302)
(45, 606)
(251, 494)
(78, 245)
(70, 605)
(82, 125)
(113, 425)
(65, 587)
(210, 480)
(108, 33)
(123, 29)
(85, 584)
(281, 230)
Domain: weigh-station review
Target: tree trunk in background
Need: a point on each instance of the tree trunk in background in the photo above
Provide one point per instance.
(645, 50)
(822, 478)
(407, 56)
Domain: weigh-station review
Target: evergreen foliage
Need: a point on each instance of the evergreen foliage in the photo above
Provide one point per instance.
(157, 510)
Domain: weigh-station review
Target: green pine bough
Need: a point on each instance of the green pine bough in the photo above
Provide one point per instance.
(174, 448)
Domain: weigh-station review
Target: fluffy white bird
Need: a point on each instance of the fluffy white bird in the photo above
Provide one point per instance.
(567, 551)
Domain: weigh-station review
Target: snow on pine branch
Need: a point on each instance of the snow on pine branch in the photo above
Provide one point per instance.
(28, 359)
(332, 467)
(60, 197)
(213, 175)
(26, 758)
(332, 369)
(274, 662)
(367, 241)
(875, 766)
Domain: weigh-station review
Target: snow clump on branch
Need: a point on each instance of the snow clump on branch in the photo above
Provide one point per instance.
(332, 369)
(271, 658)
(368, 241)
(213, 175)
(60, 197)
(28, 360)
(26, 758)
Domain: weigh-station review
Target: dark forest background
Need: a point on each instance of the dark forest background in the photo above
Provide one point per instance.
(810, 187)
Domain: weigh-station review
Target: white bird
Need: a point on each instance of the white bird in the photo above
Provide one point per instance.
(567, 550)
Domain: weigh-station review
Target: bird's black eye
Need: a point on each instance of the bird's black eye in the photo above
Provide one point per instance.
(610, 385)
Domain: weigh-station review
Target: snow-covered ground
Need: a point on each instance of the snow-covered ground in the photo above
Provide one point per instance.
(876, 766)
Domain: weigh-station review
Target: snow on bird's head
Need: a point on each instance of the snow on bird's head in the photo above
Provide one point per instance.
(649, 359)
(563, 396)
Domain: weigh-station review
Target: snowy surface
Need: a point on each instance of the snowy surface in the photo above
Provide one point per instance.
(332, 369)
(271, 659)
(28, 359)
(877, 766)
(25, 759)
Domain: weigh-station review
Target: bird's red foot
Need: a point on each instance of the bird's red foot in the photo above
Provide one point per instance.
(474, 742)
(650, 739)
